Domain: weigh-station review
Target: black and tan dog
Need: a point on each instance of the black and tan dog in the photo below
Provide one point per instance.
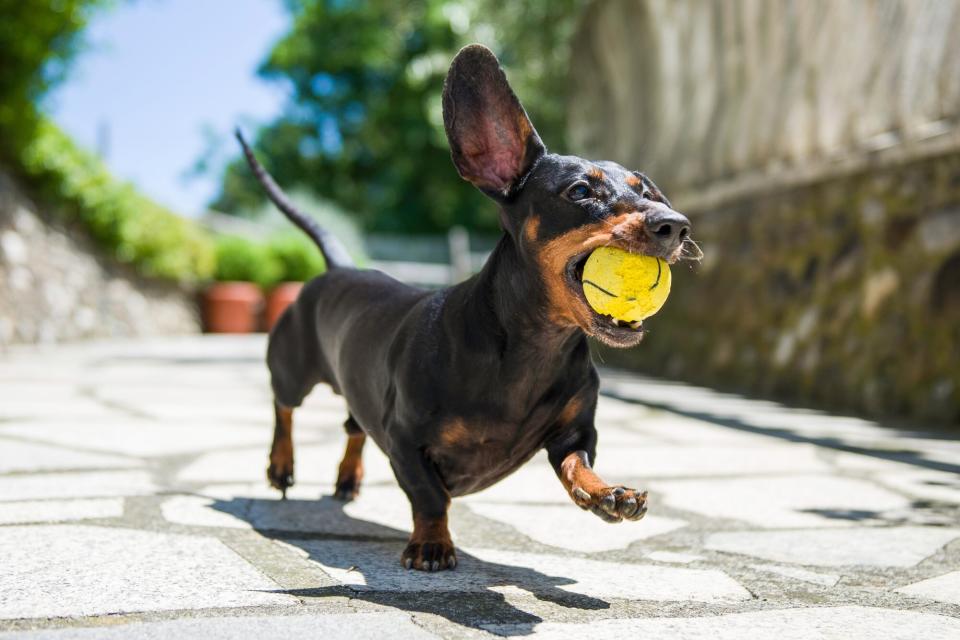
(460, 387)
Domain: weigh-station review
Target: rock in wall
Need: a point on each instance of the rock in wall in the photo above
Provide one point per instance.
(55, 286)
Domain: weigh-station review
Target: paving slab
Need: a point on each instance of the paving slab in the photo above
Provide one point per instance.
(376, 567)
(673, 556)
(784, 501)
(823, 579)
(378, 512)
(315, 464)
(86, 484)
(24, 456)
(139, 436)
(865, 546)
(945, 588)
(76, 570)
(534, 482)
(136, 506)
(60, 510)
(330, 626)
(569, 527)
(661, 461)
(821, 623)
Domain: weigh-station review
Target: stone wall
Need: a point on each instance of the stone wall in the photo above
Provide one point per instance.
(55, 286)
(832, 271)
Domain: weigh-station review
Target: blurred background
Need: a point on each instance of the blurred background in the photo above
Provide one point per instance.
(815, 146)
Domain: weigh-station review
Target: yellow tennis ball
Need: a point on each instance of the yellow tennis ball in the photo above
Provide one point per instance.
(625, 286)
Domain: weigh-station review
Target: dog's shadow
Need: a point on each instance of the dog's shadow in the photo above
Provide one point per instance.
(364, 557)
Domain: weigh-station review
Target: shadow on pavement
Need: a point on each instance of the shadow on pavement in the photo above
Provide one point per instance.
(368, 563)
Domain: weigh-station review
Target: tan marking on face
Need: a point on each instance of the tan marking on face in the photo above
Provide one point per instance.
(597, 174)
(634, 181)
(531, 228)
(566, 308)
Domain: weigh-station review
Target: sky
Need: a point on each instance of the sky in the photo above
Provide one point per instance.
(163, 82)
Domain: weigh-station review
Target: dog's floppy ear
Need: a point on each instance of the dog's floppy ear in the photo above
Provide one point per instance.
(492, 141)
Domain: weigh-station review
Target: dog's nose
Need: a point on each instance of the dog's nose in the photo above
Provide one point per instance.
(667, 228)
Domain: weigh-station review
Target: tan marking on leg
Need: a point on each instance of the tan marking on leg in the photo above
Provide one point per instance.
(590, 492)
(455, 433)
(350, 472)
(280, 471)
(575, 472)
(430, 529)
(570, 412)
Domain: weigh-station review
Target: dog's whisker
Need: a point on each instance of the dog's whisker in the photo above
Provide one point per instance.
(691, 244)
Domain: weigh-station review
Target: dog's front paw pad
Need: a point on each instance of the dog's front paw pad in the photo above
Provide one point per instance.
(612, 504)
(429, 556)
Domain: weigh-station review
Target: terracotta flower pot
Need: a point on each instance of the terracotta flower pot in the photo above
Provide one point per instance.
(279, 298)
(232, 307)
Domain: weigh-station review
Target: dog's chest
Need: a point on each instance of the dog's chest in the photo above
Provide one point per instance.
(473, 454)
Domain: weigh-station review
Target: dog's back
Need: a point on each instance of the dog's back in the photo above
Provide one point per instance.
(337, 312)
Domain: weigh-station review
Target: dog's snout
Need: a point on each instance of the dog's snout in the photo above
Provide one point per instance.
(667, 228)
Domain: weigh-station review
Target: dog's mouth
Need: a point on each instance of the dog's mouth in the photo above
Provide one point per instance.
(610, 330)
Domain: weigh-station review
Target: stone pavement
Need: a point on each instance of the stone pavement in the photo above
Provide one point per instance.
(133, 505)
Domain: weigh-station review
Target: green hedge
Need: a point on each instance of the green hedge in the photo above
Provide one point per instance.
(131, 227)
(283, 258)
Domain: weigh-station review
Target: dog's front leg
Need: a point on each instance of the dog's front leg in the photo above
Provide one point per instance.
(430, 547)
(572, 454)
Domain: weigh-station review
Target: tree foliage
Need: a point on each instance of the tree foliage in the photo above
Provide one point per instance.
(37, 42)
(364, 127)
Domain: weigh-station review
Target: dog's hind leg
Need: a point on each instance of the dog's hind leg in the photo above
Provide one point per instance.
(350, 472)
(280, 471)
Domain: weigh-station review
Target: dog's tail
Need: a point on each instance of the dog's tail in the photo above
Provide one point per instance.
(333, 251)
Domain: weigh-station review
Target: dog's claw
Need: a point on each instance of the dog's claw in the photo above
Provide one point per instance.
(609, 504)
(429, 556)
(612, 504)
(346, 492)
(280, 477)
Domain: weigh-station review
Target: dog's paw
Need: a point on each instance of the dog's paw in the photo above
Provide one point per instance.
(429, 555)
(280, 473)
(612, 504)
(347, 489)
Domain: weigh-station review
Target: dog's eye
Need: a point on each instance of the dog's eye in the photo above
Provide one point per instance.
(579, 191)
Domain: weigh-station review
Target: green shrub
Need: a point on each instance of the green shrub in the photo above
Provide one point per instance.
(131, 227)
(247, 261)
(298, 258)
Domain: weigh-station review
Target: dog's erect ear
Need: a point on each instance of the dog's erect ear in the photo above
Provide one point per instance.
(492, 141)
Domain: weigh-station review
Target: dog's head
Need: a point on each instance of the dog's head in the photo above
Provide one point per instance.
(556, 209)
